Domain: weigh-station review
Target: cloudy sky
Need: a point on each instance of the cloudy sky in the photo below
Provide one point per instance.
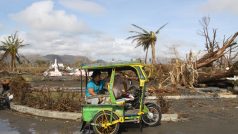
(99, 28)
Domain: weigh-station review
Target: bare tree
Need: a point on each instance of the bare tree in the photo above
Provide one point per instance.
(210, 38)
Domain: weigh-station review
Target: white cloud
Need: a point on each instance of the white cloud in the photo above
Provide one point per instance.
(52, 31)
(42, 16)
(87, 6)
(102, 47)
(221, 5)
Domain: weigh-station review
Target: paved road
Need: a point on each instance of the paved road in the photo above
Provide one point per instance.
(201, 117)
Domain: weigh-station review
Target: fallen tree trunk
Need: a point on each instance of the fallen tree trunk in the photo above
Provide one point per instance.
(207, 77)
(203, 78)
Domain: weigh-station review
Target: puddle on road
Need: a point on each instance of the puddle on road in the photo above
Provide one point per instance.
(12, 123)
(5, 129)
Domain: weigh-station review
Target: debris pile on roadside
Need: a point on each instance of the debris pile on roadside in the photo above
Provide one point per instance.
(164, 104)
(44, 99)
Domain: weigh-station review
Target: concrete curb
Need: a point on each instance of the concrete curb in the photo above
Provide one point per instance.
(228, 96)
(170, 117)
(69, 115)
(46, 113)
(178, 97)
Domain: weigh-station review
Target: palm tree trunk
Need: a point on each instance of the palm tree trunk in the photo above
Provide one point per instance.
(13, 63)
(146, 56)
(153, 52)
(12, 59)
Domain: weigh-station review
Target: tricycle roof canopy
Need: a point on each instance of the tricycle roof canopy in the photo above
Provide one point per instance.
(111, 65)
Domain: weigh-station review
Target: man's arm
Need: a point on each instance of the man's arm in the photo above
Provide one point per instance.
(91, 91)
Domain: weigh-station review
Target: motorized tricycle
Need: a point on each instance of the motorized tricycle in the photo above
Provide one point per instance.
(106, 117)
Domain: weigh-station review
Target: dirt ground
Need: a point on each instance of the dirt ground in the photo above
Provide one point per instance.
(203, 116)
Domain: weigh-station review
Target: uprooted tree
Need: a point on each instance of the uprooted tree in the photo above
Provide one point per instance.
(219, 55)
(219, 61)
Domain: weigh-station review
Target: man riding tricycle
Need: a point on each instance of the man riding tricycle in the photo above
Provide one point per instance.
(123, 99)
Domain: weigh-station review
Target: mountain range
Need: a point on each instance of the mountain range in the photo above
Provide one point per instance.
(65, 59)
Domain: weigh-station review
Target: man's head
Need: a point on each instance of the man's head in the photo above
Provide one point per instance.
(96, 76)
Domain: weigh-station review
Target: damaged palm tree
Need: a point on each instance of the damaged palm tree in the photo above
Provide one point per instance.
(146, 39)
(10, 46)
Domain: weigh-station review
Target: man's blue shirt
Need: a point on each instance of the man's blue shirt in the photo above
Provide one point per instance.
(94, 86)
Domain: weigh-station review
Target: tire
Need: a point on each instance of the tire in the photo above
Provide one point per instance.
(155, 118)
(103, 117)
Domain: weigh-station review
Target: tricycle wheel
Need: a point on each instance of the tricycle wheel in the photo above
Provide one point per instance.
(153, 117)
(104, 117)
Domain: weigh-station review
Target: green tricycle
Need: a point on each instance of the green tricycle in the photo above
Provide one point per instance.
(106, 117)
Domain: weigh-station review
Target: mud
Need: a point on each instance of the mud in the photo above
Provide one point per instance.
(204, 116)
